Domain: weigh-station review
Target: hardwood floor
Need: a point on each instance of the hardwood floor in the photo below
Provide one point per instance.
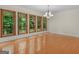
(46, 43)
(60, 44)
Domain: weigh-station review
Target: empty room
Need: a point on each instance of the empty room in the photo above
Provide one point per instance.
(39, 29)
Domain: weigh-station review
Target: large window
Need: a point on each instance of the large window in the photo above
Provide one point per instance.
(25, 23)
(39, 23)
(22, 23)
(44, 23)
(32, 23)
(8, 22)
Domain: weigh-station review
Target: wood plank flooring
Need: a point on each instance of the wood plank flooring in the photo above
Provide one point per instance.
(60, 44)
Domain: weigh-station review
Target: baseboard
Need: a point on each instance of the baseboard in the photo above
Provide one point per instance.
(66, 34)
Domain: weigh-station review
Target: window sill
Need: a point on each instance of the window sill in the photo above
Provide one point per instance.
(10, 38)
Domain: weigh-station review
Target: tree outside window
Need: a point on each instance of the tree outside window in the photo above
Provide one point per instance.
(7, 22)
(22, 22)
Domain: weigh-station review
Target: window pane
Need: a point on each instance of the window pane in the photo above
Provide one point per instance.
(8, 22)
(38, 23)
(44, 24)
(22, 23)
(32, 23)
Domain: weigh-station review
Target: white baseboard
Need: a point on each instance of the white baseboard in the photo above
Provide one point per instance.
(74, 35)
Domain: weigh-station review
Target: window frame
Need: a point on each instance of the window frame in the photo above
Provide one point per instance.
(34, 24)
(0, 23)
(41, 23)
(26, 23)
(14, 26)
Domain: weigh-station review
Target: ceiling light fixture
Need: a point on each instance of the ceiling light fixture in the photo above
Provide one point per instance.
(48, 13)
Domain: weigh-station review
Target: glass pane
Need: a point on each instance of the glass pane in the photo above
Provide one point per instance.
(44, 24)
(38, 23)
(32, 22)
(22, 23)
(8, 22)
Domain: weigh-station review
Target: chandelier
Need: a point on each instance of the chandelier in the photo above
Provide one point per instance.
(48, 13)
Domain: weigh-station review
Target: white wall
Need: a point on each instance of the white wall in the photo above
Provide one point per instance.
(19, 8)
(65, 22)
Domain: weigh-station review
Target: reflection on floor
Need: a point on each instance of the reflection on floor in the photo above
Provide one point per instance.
(45, 43)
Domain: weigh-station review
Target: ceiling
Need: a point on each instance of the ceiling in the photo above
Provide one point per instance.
(53, 8)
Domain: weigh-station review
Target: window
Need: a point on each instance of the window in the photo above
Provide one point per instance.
(44, 23)
(22, 23)
(8, 22)
(32, 23)
(39, 23)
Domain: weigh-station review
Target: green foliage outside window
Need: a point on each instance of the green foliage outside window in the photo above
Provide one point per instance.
(8, 22)
(31, 24)
(44, 24)
(38, 23)
(22, 23)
